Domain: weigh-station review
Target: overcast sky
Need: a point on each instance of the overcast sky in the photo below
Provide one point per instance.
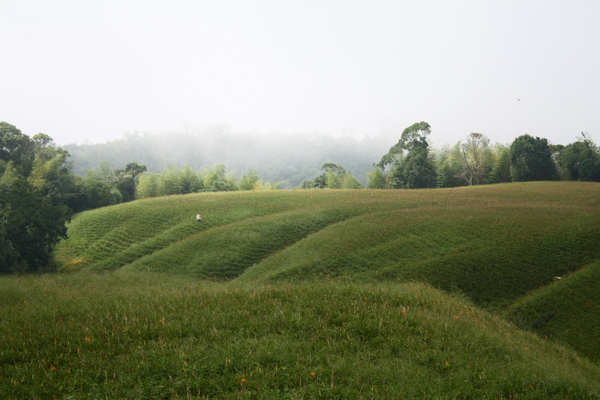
(93, 70)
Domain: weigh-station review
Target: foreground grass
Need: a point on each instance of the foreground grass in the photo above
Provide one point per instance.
(142, 335)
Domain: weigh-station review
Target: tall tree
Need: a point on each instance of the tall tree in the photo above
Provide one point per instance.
(191, 181)
(217, 180)
(249, 181)
(501, 166)
(416, 169)
(15, 147)
(126, 180)
(449, 167)
(147, 186)
(33, 210)
(377, 178)
(30, 227)
(531, 159)
(476, 157)
(581, 160)
(334, 176)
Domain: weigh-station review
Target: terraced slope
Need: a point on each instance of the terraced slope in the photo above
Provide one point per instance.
(496, 244)
(247, 226)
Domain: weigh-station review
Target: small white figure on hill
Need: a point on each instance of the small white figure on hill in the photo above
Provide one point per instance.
(198, 218)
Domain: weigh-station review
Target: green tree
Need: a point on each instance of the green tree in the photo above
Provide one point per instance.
(249, 181)
(376, 178)
(216, 180)
(15, 147)
(449, 167)
(30, 226)
(334, 176)
(416, 169)
(531, 159)
(190, 181)
(581, 160)
(98, 192)
(147, 186)
(476, 158)
(169, 182)
(501, 171)
(126, 180)
(51, 173)
(36, 188)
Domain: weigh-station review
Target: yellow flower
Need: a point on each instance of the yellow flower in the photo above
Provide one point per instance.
(313, 373)
(243, 380)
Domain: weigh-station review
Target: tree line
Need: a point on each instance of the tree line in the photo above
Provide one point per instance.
(411, 163)
(39, 192)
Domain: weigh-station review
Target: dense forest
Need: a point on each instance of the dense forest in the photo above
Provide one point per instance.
(42, 185)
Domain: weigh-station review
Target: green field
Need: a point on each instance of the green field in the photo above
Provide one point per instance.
(448, 293)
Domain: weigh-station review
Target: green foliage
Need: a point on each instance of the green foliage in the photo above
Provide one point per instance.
(501, 168)
(377, 178)
(16, 147)
(147, 186)
(531, 159)
(333, 177)
(30, 227)
(36, 188)
(580, 161)
(416, 169)
(216, 180)
(156, 336)
(99, 189)
(248, 181)
(476, 159)
(127, 179)
(448, 167)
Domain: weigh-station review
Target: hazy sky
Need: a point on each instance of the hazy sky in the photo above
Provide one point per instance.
(93, 70)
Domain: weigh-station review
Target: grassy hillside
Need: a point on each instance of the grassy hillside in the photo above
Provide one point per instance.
(156, 336)
(495, 244)
(568, 311)
(316, 294)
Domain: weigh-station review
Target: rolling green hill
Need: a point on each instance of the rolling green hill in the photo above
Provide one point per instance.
(495, 244)
(317, 294)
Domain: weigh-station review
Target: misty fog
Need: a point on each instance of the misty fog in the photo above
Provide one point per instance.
(279, 158)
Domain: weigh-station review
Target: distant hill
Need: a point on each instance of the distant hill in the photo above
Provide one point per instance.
(496, 244)
(274, 157)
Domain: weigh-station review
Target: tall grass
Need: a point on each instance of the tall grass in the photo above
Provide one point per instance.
(141, 335)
